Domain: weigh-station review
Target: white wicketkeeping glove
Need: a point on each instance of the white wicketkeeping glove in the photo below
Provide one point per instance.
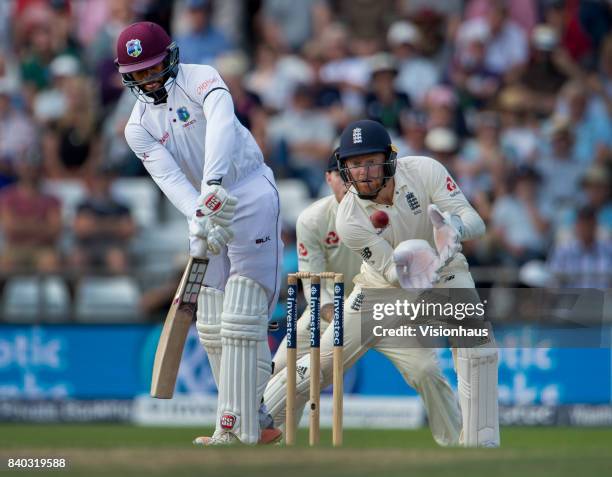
(447, 233)
(416, 263)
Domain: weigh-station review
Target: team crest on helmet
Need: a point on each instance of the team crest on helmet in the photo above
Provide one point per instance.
(134, 48)
(183, 114)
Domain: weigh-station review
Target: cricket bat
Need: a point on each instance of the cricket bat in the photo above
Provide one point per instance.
(174, 333)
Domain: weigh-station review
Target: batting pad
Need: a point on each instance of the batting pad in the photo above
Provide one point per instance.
(246, 360)
(477, 386)
(208, 324)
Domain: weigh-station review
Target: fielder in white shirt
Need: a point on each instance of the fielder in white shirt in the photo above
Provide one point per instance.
(209, 166)
(320, 249)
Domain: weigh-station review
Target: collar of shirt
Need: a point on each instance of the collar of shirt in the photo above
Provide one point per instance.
(366, 203)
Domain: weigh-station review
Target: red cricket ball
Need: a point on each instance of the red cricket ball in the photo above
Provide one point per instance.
(379, 219)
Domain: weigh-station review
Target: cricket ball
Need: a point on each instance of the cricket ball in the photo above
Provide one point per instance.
(379, 219)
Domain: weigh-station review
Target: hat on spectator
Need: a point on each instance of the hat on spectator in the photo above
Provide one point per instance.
(596, 175)
(382, 62)
(403, 33)
(7, 88)
(544, 38)
(513, 99)
(234, 63)
(559, 125)
(64, 65)
(472, 32)
(441, 140)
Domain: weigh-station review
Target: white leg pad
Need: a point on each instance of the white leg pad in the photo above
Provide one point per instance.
(477, 386)
(208, 324)
(275, 396)
(245, 361)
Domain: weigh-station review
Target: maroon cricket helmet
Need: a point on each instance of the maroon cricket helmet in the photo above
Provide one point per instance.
(140, 46)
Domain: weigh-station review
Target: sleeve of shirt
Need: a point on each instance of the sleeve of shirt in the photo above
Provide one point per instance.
(445, 193)
(358, 234)
(207, 87)
(311, 255)
(162, 167)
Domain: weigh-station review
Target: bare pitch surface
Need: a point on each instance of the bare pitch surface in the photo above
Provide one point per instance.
(100, 450)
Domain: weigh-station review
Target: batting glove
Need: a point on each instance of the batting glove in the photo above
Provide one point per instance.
(216, 204)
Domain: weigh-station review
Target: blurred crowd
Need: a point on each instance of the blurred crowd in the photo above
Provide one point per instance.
(513, 97)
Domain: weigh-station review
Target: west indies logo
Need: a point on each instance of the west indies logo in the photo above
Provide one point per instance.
(183, 114)
(134, 48)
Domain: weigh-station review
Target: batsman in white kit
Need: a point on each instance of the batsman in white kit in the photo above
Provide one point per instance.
(209, 166)
(419, 248)
(320, 249)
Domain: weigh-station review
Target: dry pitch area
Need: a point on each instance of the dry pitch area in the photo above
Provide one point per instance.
(117, 450)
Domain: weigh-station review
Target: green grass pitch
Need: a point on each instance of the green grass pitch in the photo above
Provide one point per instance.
(121, 450)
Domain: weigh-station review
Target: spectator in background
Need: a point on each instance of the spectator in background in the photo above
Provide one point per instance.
(303, 137)
(442, 111)
(481, 168)
(442, 144)
(16, 134)
(586, 261)
(103, 228)
(414, 129)
(289, 24)
(506, 49)
(591, 120)
(30, 221)
(343, 68)
(383, 103)
(548, 69)
(275, 76)
(247, 105)
(102, 47)
(559, 169)
(595, 188)
(519, 225)
(204, 43)
(563, 16)
(417, 74)
(327, 95)
(476, 84)
(520, 135)
(71, 142)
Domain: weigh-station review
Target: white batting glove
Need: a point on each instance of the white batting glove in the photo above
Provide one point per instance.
(216, 204)
(416, 263)
(219, 237)
(197, 246)
(447, 233)
(203, 235)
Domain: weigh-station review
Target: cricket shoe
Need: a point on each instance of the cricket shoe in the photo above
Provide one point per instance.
(219, 438)
(267, 437)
